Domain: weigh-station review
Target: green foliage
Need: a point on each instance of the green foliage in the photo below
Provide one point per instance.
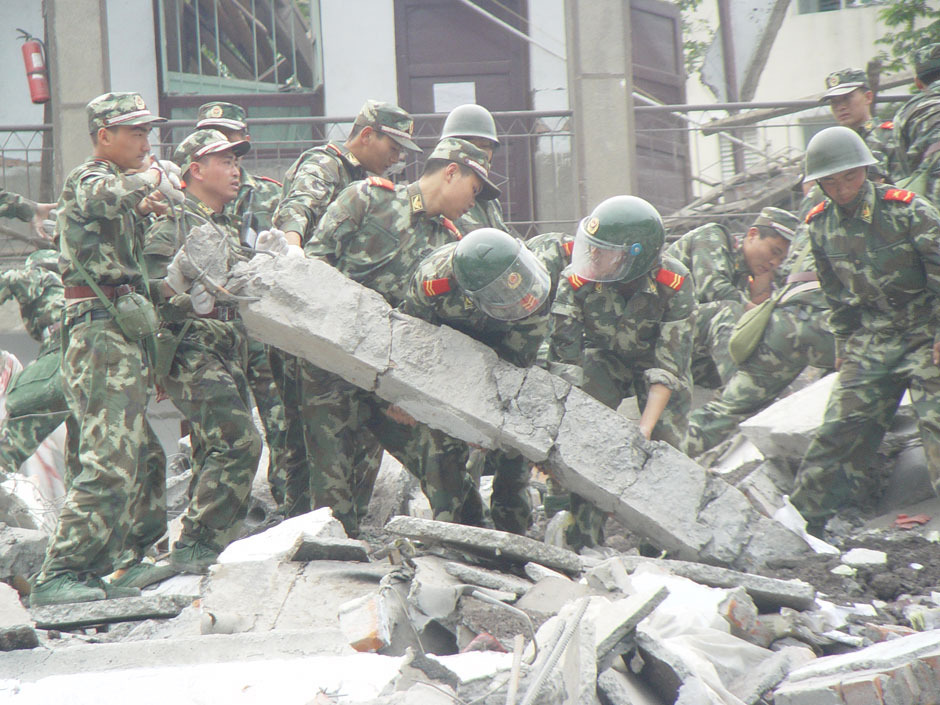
(693, 51)
(901, 17)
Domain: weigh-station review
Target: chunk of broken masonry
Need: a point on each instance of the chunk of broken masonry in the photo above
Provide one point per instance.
(126, 609)
(456, 384)
(16, 627)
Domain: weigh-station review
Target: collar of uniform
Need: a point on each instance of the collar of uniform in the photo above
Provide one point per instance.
(352, 162)
(866, 127)
(865, 206)
(415, 199)
(200, 208)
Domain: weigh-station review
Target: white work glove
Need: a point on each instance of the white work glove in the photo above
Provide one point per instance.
(48, 224)
(295, 251)
(272, 241)
(171, 183)
(174, 274)
(200, 298)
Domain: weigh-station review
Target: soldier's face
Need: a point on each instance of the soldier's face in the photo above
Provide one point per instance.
(125, 145)
(764, 254)
(380, 152)
(852, 109)
(218, 175)
(460, 191)
(844, 186)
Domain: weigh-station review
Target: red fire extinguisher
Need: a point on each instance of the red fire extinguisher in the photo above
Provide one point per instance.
(35, 60)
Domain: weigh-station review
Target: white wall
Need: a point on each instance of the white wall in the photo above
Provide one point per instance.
(358, 54)
(132, 49)
(15, 105)
(548, 78)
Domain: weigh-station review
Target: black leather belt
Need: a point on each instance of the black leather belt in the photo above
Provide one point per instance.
(222, 313)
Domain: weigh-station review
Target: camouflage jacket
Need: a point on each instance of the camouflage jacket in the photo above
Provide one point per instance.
(646, 322)
(917, 129)
(97, 221)
(312, 183)
(484, 214)
(880, 266)
(265, 194)
(717, 266)
(40, 295)
(376, 233)
(164, 239)
(12, 205)
(879, 136)
(435, 296)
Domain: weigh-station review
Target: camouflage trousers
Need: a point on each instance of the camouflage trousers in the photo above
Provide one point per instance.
(208, 384)
(796, 336)
(510, 506)
(116, 501)
(349, 427)
(712, 365)
(610, 379)
(289, 478)
(270, 410)
(878, 368)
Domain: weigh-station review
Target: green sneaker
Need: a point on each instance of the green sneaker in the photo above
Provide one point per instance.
(193, 557)
(112, 591)
(64, 589)
(140, 575)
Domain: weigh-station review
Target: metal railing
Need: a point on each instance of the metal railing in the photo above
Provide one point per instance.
(22, 152)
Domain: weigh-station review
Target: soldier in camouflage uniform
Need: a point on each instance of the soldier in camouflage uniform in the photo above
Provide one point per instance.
(106, 374)
(850, 99)
(376, 233)
(206, 376)
(727, 279)
(475, 124)
(379, 133)
(37, 288)
(917, 124)
(623, 324)
(797, 335)
(253, 210)
(497, 290)
(13, 205)
(877, 252)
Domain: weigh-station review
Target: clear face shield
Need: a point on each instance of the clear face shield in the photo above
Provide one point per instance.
(518, 292)
(599, 261)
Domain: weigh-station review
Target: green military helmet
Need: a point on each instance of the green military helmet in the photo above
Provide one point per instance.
(44, 259)
(470, 120)
(620, 241)
(500, 275)
(834, 150)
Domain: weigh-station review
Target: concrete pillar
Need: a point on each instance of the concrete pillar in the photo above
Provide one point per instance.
(600, 84)
(79, 71)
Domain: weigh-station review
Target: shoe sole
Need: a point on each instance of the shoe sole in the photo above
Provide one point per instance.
(155, 575)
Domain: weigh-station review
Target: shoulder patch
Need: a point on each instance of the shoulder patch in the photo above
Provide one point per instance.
(270, 180)
(449, 224)
(436, 287)
(670, 279)
(896, 194)
(568, 247)
(887, 125)
(382, 182)
(576, 281)
(817, 209)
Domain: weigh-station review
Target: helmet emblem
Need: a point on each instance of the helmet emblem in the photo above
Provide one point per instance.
(592, 226)
(514, 280)
(215, 111)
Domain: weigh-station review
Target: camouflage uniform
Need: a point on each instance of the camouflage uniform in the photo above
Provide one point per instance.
(207, 381)
(12, 205)
(880, 270)
(375, 233)
(484, 214)
(796, 336)
(40, 295)
(917, 126)
(626, 337)
(435, 296)
(116, 501)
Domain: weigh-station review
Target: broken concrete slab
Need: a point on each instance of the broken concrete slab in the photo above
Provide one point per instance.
(367, 622)
(332, 549)
(551, 594)
(488, 578)
(537, 572)
(16, 626)
(766, 485)
(767, 593)
(655, 490)
(617, 623)
(393, 487)
(488, 542)
(784, 429)
(21, 551)
(282, 541)
(768, 674)
(617, 687)
(127, 609)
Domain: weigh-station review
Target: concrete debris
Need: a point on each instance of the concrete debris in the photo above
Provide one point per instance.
(366, 622)
(489, 578)
(16, 626)
(618, 688)
(488, 542)
(394, 488)
(537, 572)
(84, 614)
(551, 594)
(617, 623)
(864, 557)
(767, 592)
(284, 540)
(332, 549)
(21, 552)
(653, 489)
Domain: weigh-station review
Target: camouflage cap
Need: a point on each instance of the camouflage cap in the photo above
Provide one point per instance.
(926, 59)
(844, 81)
(203, 142)
(454, 149)
(783, 222)
(221, 114)
(113, 109)
(390, 120)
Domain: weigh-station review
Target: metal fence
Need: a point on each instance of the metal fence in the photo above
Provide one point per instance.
(22, 152)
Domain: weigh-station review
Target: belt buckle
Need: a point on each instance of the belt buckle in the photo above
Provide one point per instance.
(123, 289)
(227, 313)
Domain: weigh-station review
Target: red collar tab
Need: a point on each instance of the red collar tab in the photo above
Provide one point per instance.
(449, 224)
(381, 182)
(670, 279)
(436, 287)
(887, 125)
(896, 194)
(576, 281)
(817, 209)
(568, 247)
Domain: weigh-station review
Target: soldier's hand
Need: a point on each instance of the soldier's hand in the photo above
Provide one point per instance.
(272, 241)
(175, 278)
(295, 251)
(46, 227)
(936, 353)
(202, 301)
(153, 203)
